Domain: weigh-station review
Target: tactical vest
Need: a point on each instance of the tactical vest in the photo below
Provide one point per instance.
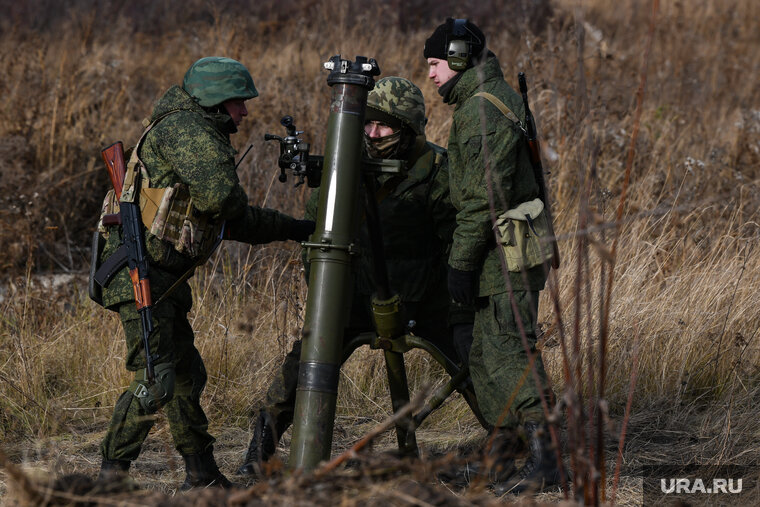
(167, 213)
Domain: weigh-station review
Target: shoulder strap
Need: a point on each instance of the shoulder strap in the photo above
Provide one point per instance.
(130, 191)
(500, 106)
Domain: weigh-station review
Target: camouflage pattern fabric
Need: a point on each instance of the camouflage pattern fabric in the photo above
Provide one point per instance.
(470, 138)
(482, 137)
(498, 361)
(192, 146)
(417, 221)
(214, 79)
(173, 341)
(401, 99)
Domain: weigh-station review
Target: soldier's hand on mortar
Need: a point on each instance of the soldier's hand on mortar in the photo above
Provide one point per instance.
(300, 230)
(462, 285)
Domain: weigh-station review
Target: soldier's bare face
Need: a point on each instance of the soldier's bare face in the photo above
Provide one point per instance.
(376, 129)
(439, 71)
(236, 109)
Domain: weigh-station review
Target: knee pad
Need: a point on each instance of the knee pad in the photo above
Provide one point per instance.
(159, 393)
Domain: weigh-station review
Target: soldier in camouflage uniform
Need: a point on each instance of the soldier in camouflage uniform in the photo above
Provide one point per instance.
(417, 220)
(188, 145)
(480, 136)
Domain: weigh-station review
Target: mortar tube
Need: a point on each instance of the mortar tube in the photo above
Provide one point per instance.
(330, 282)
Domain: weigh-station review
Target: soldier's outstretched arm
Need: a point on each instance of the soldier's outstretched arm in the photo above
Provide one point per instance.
(262, 225)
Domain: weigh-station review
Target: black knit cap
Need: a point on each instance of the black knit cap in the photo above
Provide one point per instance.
(436, 46)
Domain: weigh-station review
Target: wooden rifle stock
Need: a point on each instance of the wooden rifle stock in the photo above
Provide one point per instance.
(534, 151)
(113, 156)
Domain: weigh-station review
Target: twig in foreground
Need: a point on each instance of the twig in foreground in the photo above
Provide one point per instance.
(405, 411)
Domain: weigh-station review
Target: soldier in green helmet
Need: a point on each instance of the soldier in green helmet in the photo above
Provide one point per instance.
(186, 161)
(417, 220)
(486, 143)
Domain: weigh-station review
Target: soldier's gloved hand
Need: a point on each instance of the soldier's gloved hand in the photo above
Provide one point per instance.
(300, 230)
(462, 285)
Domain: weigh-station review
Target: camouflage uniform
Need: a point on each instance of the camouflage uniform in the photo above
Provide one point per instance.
(498, 359)
(417, 221)
(190, 144)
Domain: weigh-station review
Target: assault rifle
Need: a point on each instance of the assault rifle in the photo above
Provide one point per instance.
(538, 170)
(134, 246)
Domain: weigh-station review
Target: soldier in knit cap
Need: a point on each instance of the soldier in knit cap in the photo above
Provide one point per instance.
(487, 149)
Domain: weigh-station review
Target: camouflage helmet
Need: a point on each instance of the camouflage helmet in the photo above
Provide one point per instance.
(401, 99)
(215, 79)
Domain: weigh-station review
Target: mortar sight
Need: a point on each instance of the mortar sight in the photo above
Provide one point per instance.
(294, 155)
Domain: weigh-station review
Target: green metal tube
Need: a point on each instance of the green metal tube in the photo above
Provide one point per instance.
(399, 388)
(329, 295)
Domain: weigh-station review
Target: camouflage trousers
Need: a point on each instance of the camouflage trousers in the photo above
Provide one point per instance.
(499, 366)
(281, 396)
(172, 340)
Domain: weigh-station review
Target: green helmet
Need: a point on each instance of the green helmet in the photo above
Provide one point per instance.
(215, 79)
(400, 99)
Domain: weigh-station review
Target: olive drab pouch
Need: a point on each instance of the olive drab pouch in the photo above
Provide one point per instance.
(524, 235)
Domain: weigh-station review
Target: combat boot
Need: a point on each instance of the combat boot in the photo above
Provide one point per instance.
(495, 465)
(113, 478)
(202, 472)
(263, 444)
(112, 470)
(500, 455)
(540, 470)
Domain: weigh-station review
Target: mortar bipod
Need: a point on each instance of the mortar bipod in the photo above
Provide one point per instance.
(392, 337)
(459, 381)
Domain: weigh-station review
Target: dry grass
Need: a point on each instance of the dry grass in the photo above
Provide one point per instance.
(684, 298)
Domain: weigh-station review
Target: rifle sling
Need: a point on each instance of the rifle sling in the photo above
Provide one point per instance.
(501, 106)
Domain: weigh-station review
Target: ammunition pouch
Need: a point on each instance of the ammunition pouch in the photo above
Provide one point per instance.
(524, 235)
(153, 396)
(169, 214)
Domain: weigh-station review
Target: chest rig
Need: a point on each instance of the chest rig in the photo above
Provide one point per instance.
(167, 213)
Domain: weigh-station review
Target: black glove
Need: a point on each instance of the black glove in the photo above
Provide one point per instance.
(462, 286)
(300, 230)
(461, 335)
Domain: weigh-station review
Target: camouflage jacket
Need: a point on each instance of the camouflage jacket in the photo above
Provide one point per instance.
(192, 146)
(417, 221)
(481, 134)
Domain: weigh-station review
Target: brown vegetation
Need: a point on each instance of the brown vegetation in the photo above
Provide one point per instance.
(80, 75)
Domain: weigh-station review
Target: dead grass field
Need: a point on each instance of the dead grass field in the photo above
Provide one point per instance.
(680, 316)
